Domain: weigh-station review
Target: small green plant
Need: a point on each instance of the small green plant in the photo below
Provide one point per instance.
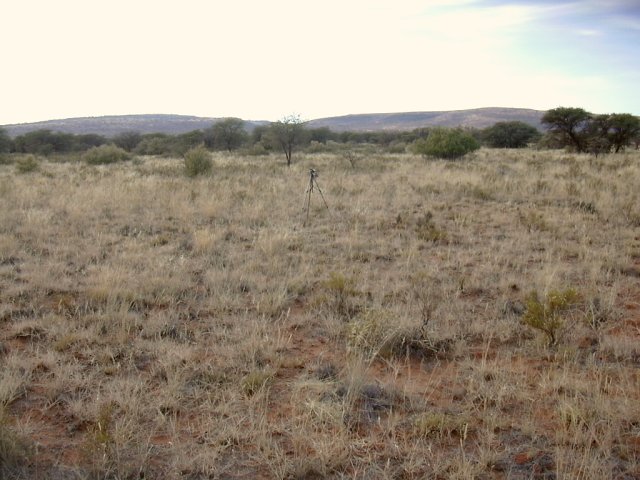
(105, 154)
(27, 164)
(197, 161)
(547, 315)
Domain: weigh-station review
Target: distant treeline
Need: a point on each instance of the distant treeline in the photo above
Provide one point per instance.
(569, 128)
(230, 135)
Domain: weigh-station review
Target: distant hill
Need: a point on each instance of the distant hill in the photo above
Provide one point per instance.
(369, 122)
(113, 125)
(477, 118)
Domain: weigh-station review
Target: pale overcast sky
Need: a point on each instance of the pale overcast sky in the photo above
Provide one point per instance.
(263, 59)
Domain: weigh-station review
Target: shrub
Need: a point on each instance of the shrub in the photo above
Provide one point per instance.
(197, 161)
(255, 381)
(27, 163)
(446, 143)
(374, 333)
(426, 230)
(105, 154)
(547, 315)
(340, 290)
(14, 451)
(379, 333)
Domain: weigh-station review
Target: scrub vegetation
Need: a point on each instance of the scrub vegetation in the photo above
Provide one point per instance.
(467, 319)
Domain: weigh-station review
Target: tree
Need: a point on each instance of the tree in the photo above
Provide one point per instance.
(128, 140)
(287, 134)
(514, 134)
(86, 141)
(154, 144)
(229, 133)
(597, 136)
(623, 128)
(5, 141)
(44, 142)
(569, 126)
(448, 143)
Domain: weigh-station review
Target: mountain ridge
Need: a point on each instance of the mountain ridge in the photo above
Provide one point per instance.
(110, 125)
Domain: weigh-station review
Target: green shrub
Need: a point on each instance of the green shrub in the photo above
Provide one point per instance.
(105, 154)
(547, 315)
(197, 161)
(446, 143)
(27, 163)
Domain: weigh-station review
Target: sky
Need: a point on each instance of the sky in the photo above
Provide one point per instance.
(263, 60)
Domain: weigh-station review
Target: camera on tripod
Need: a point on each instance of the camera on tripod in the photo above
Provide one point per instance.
(313, 185)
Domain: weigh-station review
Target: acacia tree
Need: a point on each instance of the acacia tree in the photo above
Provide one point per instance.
(569, 125)
(514, 134)
(286, 134)
(623, 128)
(229, 133)
(128, 140)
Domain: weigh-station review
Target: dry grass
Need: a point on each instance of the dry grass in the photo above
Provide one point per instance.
(159, 326)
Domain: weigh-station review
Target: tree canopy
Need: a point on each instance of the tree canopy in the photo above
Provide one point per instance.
(513, 134)
(228, 134)
(569, 125)
(286, 134)
(586, 132)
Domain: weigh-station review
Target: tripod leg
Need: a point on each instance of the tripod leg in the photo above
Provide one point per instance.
(322, 195)
(308, 202)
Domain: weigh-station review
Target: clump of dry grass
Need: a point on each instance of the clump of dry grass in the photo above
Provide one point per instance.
(170, 327)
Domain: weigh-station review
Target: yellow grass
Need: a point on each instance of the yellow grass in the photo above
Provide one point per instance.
(170, 327)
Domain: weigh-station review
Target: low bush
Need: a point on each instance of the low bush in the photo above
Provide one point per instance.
(105, 154)
(446, 143)
(197, 161)
(27, 163)
(547, 315)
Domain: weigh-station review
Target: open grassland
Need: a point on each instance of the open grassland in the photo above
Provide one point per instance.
(157, 326)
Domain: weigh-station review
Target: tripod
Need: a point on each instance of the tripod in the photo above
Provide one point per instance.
(313, 182)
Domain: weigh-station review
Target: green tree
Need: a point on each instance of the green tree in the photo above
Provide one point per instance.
(86, 141)
(44, 142)
(287, 134)
(623, 129)
(180, 144)
(514, 134)
(128, 140)
(597, 136)
(448, 143)
(569, 126)
(229, 133)
(154, 144)
(5, 141)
